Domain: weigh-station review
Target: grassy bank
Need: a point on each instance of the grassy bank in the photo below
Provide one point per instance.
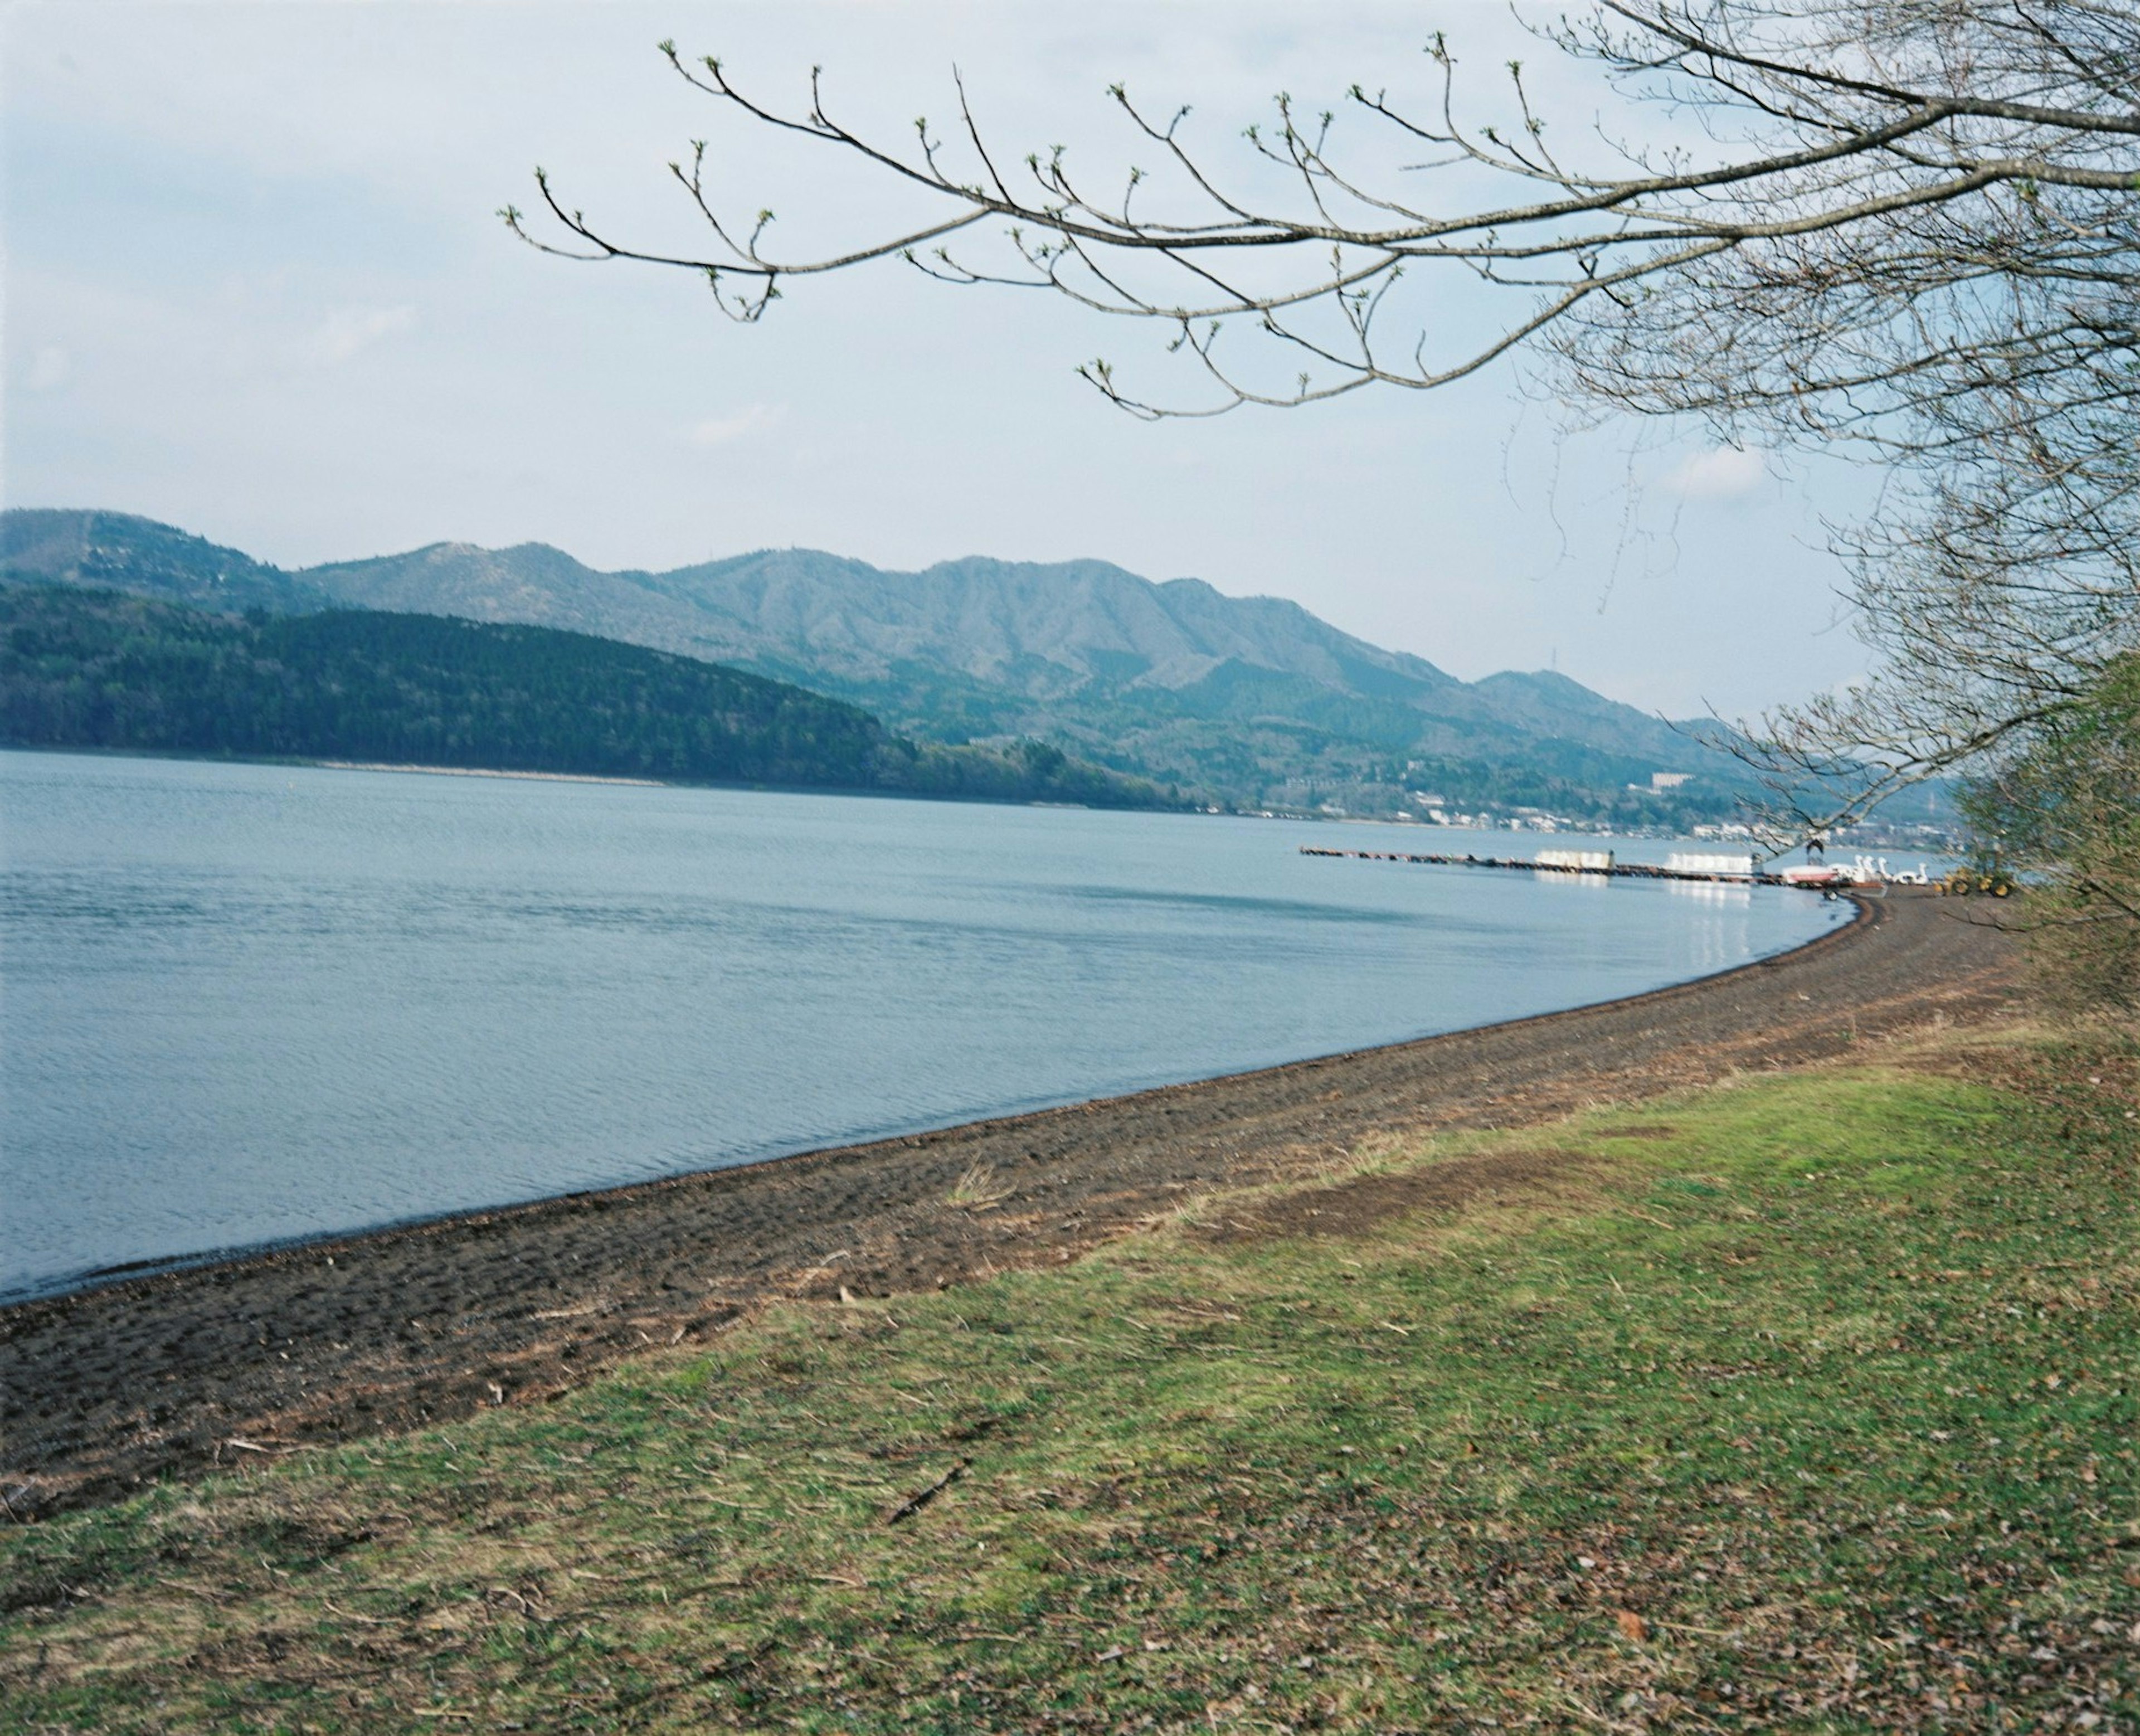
(1805, 1404)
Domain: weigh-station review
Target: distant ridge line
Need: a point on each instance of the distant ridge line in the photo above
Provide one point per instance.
(1251, 702)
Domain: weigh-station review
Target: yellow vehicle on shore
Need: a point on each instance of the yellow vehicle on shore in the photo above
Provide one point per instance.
(1992, 882)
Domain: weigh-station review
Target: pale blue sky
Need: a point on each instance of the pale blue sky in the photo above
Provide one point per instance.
(254, 288)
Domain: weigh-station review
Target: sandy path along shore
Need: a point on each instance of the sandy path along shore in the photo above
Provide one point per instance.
(105, 1388)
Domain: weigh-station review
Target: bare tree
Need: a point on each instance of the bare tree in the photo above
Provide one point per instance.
(1998, 587)
(2065, 799)
(1912, 226)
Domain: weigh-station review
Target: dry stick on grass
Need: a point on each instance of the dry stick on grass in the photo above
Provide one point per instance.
(921, 1499)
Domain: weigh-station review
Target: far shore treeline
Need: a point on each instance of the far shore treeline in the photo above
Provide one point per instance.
(1243, 703)
(102, 668)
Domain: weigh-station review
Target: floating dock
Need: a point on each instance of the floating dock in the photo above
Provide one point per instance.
(1578, 868)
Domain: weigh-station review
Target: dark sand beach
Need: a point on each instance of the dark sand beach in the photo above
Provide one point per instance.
(241, 1362)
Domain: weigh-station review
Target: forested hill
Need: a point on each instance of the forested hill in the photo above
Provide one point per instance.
(120, 552)
(1251, 702)
(97, 669)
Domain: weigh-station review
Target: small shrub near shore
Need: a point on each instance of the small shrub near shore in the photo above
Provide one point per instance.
(1805, 1405)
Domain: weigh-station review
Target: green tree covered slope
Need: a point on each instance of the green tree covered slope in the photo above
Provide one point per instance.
(1251, 702)
(97, 669)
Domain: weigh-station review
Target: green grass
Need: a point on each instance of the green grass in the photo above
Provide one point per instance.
(1803, 1404)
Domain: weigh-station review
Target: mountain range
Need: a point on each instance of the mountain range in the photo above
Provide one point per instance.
(1244, 702)
(86, 666)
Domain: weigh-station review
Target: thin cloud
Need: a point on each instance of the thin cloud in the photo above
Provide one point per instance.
(1729, 473)
(718, 430)
(49, 369)
(347, 329)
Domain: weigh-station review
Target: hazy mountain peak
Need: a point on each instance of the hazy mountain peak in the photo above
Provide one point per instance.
(1253, 698)
(129, 552)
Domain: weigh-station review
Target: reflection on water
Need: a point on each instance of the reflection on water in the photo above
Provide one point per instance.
(1713, 952)
(244, 1003)
(1718, 893)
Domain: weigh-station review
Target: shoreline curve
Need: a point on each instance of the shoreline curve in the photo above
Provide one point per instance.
(106, 1387)
(238, 1256)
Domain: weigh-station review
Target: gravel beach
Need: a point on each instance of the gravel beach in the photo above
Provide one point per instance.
(240, 1362)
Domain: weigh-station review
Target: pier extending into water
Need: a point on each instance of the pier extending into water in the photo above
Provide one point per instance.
(1571, 863)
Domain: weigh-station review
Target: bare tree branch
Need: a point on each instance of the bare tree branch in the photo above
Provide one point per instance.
(1908, 226)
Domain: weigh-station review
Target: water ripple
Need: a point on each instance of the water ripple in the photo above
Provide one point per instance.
(245, 1003)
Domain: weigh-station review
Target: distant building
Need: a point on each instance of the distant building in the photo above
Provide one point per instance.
(1668, 780)
(1733, 867)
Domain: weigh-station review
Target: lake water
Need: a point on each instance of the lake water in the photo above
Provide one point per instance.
(244, 1003)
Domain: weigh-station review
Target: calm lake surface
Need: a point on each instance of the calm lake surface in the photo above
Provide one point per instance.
(243, 1003)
